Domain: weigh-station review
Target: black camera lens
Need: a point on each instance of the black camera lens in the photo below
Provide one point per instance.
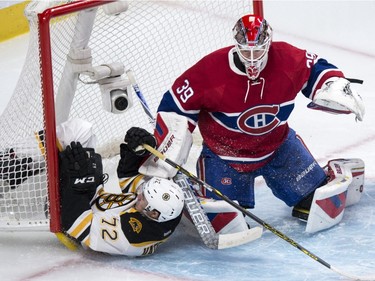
(121, 103)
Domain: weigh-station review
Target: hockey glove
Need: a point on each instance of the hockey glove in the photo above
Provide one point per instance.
(336, 96)
(129, 162)
(135, 137)
(80, 168)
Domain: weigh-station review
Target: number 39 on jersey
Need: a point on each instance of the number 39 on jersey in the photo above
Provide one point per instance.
(185, 91)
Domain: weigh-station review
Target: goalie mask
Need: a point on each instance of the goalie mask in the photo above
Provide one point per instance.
(253, 37)
(163, 196)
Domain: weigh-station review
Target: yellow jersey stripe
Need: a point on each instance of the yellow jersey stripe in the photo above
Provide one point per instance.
(85, 222)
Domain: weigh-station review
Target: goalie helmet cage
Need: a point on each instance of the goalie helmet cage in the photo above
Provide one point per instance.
(157, 40)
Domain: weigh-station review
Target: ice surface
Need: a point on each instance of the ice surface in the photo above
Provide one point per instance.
(340, 31)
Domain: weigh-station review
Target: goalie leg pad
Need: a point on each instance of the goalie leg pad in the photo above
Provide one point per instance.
(213, 240)
(224, 217)
(330, 200)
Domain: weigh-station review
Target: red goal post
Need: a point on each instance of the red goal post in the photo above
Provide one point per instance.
(156, 39)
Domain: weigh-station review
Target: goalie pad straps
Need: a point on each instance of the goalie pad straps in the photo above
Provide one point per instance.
(330, 200)
(355, 188)
(175, 141)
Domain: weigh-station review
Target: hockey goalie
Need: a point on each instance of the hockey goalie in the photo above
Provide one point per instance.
(240, 97)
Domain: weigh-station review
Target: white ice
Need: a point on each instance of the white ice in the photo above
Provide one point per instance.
(342, 32)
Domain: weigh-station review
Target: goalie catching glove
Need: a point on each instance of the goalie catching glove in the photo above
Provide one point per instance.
(336, 96)
(135, 137)
(80, 168)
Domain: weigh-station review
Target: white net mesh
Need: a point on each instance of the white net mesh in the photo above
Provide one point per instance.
(157, 40)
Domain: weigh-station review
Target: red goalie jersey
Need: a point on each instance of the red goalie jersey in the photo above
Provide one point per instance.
(244, 121)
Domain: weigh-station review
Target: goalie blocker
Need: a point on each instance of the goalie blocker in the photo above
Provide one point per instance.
(174, 141)
(328, 202)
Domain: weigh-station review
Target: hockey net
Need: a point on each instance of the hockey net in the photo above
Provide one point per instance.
(157, 40)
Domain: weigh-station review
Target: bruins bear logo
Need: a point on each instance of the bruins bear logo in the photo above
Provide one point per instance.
(136, 225)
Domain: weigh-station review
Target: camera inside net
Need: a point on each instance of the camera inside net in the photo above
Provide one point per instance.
(116, 96)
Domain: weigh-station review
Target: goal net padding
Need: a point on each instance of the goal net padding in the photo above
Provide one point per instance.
(157, 40)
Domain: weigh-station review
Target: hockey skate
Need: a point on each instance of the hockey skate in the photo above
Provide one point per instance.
(15, 170)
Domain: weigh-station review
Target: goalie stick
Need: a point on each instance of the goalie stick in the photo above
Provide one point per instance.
(203, 225)
(255, 218)
(140, 96)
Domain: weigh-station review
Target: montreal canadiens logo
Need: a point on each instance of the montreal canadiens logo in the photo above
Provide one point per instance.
(259, 120)
(226, 181)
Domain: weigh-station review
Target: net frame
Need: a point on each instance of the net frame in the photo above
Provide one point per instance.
(45, 47)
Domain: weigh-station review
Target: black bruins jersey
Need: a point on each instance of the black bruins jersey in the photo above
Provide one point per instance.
(114, 226)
